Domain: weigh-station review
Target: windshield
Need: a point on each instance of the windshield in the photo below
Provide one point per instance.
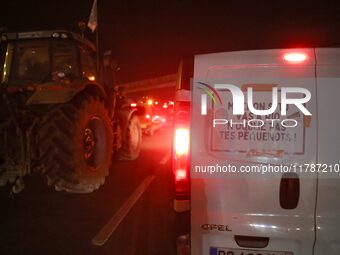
(33, 62)
(30, 62)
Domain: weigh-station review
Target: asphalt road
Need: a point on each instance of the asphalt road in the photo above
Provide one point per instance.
(40, 220)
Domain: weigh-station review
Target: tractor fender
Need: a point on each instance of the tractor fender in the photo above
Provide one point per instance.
(124, 115)
(58, 94)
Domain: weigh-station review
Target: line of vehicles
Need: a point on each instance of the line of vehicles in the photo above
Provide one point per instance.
(155, 113)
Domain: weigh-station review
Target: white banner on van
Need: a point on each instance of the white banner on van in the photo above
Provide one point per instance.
(255, 134)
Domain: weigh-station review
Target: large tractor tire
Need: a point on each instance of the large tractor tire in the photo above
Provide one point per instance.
(132, 140)
(75, 145)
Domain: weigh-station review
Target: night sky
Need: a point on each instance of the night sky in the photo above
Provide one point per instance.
(149, 38)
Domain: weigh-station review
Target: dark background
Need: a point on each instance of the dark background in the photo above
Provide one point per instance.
(149, 37)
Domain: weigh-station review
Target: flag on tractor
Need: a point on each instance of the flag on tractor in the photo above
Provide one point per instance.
(93, 19)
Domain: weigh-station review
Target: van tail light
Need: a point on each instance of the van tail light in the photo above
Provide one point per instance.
(181, 151)
(181, 144)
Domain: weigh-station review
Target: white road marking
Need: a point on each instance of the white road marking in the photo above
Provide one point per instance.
(105, 233)
(165, 158)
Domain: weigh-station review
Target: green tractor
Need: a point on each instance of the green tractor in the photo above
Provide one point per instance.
(55, 118)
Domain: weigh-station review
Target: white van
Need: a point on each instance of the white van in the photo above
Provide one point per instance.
(263, 162)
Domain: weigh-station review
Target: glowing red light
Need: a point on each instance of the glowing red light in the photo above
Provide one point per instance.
(133, 105)
(165, 106)
(182, 141)
(150, 102)
(147, 116)
(295, 57)
(181, 174)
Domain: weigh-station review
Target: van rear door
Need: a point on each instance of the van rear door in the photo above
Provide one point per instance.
(328, 206)
(243, 213)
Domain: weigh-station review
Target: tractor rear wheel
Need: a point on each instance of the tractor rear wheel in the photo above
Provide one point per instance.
(75, 145)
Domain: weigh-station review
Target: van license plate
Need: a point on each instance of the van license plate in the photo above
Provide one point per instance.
(228, 251)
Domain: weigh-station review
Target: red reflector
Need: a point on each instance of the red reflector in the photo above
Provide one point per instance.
(295, 57)
(181, 141)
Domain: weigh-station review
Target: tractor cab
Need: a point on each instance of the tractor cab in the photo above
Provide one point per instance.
(41, 57)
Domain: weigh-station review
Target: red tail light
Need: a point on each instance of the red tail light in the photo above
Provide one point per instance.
(295, 57)
(181, 135)
(181, 151)
(181, 145)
